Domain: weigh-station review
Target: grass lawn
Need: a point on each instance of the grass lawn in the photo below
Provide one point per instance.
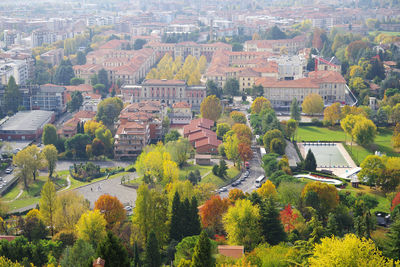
(184, 172)
(211, 178)
(385, 32)
(382, 140)
(384, 203)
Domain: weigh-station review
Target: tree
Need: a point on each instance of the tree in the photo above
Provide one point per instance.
(231, 87)
(243, 133)
(202, 256)
(69, 209)
(80, 58)
(310, 164)
(364, 132)
(112, 209)
(245, 152)
(77, 81)
(393, 236)
(33, 226)
(274, 33)
(291, 128)
(12, 97)
(50, 154)
(213, 89)
(91, 227)
(258, 104)
(277, 146)
(7, 263)
(327, 194)
(108, 110)
(238, 117)
(312, 104)
(332, 113)
(102, 77)
(77, 144)
(171, 136)
(211, 213)
(349, 251)
(372, 168)
(152, 253)
(175, 230)
(211, 108)
(288, 218)
(64, 73)
(222, 129)
(295, 110)
(113, 251)
(271, 226)
(241, 222)
(28, 161)
(48, 204)
(49, 136)
(269, 136)
(222, 168)
(100, 88)
(138, 44)
(232, 148)
(267, 190)
(78, 255)
(76, 101)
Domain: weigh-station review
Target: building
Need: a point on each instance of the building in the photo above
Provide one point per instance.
(25, 125)
(69, 128)
(130, 139)
(53, 57)
(235, 252)
(19, 69)
(181, 114)
(292, 46)
(330, 85)
(167, 92)
(41, 37)
(200, 135)
(49, 97)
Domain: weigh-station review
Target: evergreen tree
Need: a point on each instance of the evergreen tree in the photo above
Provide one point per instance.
(202, 256)
(80, 58)
(192, 178)
(393, 245)
(186, 219)
(175, 230)
(295, 110)
(222, 168)
(332, 226)
(195, 219)
(136, 258)
(78, 127)
(64, 73)
(153, 257)
(271, 225)
(102, 77)
(113, 251)
(310, 164)
(12, 97)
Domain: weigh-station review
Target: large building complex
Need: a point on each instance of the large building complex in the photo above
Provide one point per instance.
(167, 92)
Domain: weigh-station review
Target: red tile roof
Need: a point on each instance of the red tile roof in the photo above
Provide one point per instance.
(181, 105)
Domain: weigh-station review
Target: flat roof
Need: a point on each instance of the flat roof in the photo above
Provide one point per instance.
(27, 120)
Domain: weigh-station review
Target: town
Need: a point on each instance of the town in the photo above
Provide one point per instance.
(199, 133)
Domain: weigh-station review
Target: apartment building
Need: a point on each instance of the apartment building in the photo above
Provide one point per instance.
(19, 69)
(167, 92)
(41, 37)
(53, 57)
(275, 46)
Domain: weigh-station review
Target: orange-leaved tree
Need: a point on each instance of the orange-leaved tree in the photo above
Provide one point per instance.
(112, 209)
(212, 211)
(288, 218)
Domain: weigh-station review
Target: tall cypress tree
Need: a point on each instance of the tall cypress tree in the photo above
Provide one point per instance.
(175, 230)
(195, 223)
(310, 164)
(393, 245)
(136, 258)
(12, 97)
(186, 218)
(153, 257)
(271, 225)
(295, 110)
(113, 251)
(202, 256)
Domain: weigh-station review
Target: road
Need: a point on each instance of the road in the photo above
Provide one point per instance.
(64, 164)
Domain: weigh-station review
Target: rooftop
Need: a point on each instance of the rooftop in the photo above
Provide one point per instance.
(27, 120)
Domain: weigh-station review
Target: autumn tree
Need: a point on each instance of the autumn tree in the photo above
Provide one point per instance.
(112, 209)
(48, 204)
(364, 132)
(245, 152)
(267, 190)
(332, 113)
(313, 104)
(235, 194)
(243, 132)
(327, 195)
(91, 227)
(70, 207)
(349, 251)
(211, 108)
(222, 129)
(288, 218)
(396, 136)
(259, 103)
(211, 213)
(372, 168)
(241, 222)
(50, 154)
(238, 117)
(232, 148)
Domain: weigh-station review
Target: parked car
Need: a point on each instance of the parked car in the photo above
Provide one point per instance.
(128, 208)
(8, 171)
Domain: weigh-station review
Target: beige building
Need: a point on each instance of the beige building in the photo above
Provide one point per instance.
(292, 46)
(330, 85)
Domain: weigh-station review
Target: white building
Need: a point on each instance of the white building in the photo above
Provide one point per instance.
(290, 67)
(17, 68)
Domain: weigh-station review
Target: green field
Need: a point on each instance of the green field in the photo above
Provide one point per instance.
(382, 141)
(184, 172)
(384, 203)
(211, 178)
(374, 33)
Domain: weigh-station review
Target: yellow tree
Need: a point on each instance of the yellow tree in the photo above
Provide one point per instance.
(232, 148)
(258, 104)
(268, 189)
(202, 64)
(364, 132)
(347, 251)
(91, 227)
(70, 207)
(211, 108)
(48, 204)
(312, 104)
(170, 171)
(50, 154)
(91, 126)
(332, 113)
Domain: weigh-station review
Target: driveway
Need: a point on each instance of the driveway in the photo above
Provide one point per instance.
(63, 165)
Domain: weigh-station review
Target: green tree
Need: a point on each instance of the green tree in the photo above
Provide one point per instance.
(138, 44)
(12, 97)
(393, 244)
(49, 136)
(291, 128)
(79, 255)
(271, 226)
(50, 155)
(77, 144)
(113, 251)
(152, 253)
(364, 132)
(80, 58)
(108, 110)
(76, 101)
(310, 164)
(222, 129)
(269, 136)
(102, 77)
(231, 87)
(211, 108)
(295, 110)
(202, 256)
(171, 136)
(48, 204)
(213, 89)
(175, 230)
(77, 81)
(64, 73)
(372, 167)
